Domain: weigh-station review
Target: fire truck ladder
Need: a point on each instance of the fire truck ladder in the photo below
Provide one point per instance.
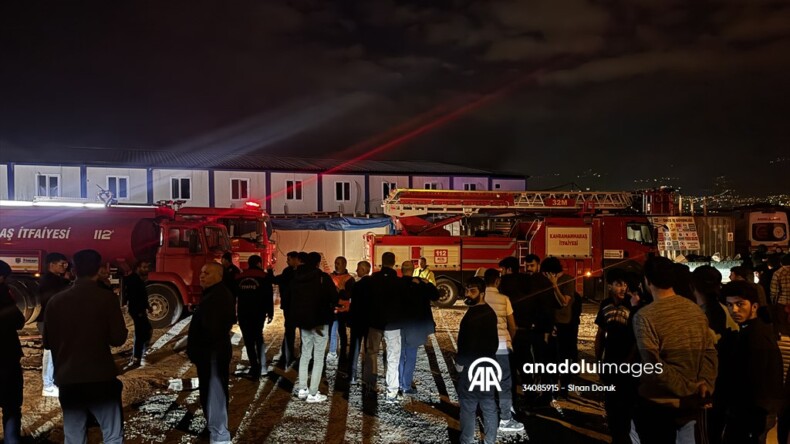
(411, 202)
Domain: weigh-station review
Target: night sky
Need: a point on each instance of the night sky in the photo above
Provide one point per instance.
(596, 93)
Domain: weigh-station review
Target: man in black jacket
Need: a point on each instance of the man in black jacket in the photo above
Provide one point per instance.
(517, 287)
(11, 320)
(81, 326)
(136, 299)
(313, 297)
(417, 323)
(477, 339)
(231, 271)
(756, 395)
(254, 305)
(384, 317)
(51, 283)
(283, 281)
(208, 347)
(357, 314)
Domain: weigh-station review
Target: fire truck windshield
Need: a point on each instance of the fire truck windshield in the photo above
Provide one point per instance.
(216, 239)
(640, 232)
(243, 228)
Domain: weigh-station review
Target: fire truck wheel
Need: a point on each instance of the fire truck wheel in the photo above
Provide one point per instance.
(448, 292)
(165, 305)
(24, 291)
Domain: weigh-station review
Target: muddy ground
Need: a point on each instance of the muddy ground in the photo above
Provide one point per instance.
(156, 409)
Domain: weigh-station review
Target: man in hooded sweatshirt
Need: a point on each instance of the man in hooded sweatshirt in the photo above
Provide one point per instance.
(313, 297)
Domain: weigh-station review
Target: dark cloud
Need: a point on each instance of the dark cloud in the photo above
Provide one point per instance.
(619, 82)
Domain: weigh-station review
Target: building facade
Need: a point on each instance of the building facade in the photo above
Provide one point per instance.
(284, 186)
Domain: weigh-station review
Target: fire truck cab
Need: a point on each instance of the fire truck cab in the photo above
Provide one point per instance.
(248, 227)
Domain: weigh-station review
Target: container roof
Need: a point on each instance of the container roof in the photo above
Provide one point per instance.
(147, 158)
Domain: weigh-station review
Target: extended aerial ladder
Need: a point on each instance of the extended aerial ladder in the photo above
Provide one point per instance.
(459, 232)
(417, 202)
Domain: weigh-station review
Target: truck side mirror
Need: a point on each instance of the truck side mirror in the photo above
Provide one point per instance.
(194, 243)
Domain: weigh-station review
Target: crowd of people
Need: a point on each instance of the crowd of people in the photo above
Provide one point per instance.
(717, 345)
(720, 378)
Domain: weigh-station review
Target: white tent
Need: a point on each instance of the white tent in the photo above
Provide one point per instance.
(331, 244)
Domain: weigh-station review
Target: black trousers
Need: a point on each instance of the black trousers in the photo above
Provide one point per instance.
(522, 354)
(11, 400)
(566, 347)
(142, 334)
(289, 339)
(783, 427)
(780, 318)
(342, 336)
(716, 416)
(252, 332)
(748, 427)
(620, 405)
(658, 424)
(541, 353)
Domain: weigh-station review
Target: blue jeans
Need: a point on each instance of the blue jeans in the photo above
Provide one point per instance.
(313, 347)
(213, 386)
(408, 361)
(333, 337)
(103, 400)
(358, 337)
(47, 369)
(338, 329)
(12, 424)
(506, 395)
(468, 417)
(47, 366)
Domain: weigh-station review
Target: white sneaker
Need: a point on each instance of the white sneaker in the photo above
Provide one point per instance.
(316, 398)
(331, 356)
(53, 391)
(391, 397)
(303, 394)
(511, 425)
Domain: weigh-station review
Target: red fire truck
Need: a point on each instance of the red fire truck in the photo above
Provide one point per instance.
(459, 232)
(248, 228)
(178, 247)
